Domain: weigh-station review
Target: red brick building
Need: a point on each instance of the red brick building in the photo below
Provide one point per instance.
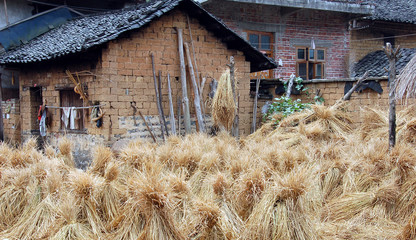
(287, 31)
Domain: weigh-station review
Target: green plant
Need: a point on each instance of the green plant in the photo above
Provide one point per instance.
(284, 106)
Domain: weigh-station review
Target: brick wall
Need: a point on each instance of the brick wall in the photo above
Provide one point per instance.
(11, 120)
(122, 73)
(292, 29)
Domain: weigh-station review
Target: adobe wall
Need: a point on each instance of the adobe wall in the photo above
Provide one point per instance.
(333, 91)
(122, 74)
(291, 29)
(11, 120)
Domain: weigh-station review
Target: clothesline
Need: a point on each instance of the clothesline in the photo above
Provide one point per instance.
(76, 107)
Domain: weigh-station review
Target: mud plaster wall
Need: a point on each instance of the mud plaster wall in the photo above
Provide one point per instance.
(11, 120)
(123, 74)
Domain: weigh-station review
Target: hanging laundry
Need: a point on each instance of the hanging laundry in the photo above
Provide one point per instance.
(42, 124)
(73, 117)
(65, 116)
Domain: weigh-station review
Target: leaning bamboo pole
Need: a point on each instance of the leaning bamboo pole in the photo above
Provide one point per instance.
(197, 101)
(185, 100)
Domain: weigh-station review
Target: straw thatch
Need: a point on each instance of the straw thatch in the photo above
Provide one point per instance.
(406, 81)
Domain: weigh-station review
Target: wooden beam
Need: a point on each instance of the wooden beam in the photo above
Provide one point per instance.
(253, 124)
(349, 93)
(157, 98)
(5, 13)
(392, 55)
(185, 100)
(161, 102)
(171, 113)
(197, 101)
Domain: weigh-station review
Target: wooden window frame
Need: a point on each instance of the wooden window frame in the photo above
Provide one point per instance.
(82, 121)
(269, 53)
(307, 60)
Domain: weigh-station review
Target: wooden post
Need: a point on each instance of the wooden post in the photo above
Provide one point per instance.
(171, 113)
(253, 126)
(290, 85)
(185, 100)
(234, 130)
(193, 51)
(197, 101)
(157, 98)
(1, 113)
(147, 126)
(161, 103)
(392, 55)
(179, 115)
(5, 12)
(349, 93)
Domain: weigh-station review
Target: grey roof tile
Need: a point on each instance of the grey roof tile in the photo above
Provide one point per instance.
(85, 32)
(376, 62)
(394, 10)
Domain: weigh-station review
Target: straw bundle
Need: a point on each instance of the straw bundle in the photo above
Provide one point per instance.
(86, 188)
(111, 195)
(148, 211)
(102, 157)
(223, 104)
(279, 215)
(14, 196)
(314, 176)
(65, 148)
(68, 225)
(206, 224)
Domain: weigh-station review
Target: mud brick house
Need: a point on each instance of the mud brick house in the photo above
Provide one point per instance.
(110, 53)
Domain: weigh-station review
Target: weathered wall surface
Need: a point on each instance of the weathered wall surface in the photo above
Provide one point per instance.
(291, 29)
(122, 75)
(11, 120)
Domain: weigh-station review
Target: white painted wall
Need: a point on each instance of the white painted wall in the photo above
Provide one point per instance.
(16, 10)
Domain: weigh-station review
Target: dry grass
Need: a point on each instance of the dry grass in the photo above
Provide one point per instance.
(223, 104)
(314, 176)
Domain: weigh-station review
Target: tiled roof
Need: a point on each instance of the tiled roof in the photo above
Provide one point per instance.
(393, 10)
(377, 63)
(83, 33)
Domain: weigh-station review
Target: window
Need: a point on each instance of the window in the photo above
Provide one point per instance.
(71, 119)
(310, 63)
(263, 41)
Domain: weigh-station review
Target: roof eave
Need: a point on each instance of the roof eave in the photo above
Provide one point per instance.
(351, 8)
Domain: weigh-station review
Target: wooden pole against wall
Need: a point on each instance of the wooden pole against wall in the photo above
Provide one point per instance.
(5, 12)
(235, 127)
(185, 100)
(197, 101)
(158, 103)
(171, 113)
(161, 103)
(253, 126)
(392, 55)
